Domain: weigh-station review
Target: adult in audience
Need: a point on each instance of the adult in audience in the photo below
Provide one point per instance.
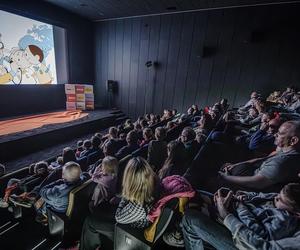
(132, 145)
(87, 148)
(253, 97)
(175, 163)
(147, 136)
(113, 138)
(276, 170)
(157, 149)
(188, 136)
(138, 194)
(277, 227)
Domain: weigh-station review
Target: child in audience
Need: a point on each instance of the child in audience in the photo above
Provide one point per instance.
(18, 186)
(157, 149)
(79, 148)
(272, 216)
(105, 175)
(87, 148)
(2, 170)
(56, 164)
(56, 194)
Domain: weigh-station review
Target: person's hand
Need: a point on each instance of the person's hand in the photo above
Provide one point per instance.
(227, 167)
(223, 202)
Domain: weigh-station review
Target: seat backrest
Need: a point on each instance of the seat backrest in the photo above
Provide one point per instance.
(141, 152)
(93, 157)
(79, 199)
(83, 163)
(165, 218)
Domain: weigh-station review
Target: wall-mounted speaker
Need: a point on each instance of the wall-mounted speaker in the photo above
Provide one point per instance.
(112, 86)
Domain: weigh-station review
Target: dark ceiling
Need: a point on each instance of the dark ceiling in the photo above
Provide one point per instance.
(104, 9)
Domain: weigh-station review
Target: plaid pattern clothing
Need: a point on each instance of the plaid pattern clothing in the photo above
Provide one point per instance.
(133, 214)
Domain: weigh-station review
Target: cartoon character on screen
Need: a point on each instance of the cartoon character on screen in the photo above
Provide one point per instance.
(11, 70)
(35, 56)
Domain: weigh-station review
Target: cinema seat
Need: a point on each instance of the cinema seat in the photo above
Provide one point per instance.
(129, 238)
(77, 210)
(93, 157)
(142, 152)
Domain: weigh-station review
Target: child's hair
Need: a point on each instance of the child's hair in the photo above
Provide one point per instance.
(60, 160)
(68, 155)
(110, 165)
(71, 171)
(292, 191)
(138, 181)
(2, 169)
(160, 133)
(79, 144)
(41, 167)
(113, 132)
(87, 144)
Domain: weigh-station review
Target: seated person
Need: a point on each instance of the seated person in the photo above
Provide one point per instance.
(262, 141)
(96, 143)
(276, 170)
(114, 139)
(56, 164)
(15, 187)
(175, 163)
(191, 146)
(56, 194)
(170, 125)
(253, 97)
(132, 145)
(261, 221)
(2, 170)
(252, 118)
(139, 131)
(105, 175)
(147, 136)
(157, 149)
(79, 148)
(87, 148)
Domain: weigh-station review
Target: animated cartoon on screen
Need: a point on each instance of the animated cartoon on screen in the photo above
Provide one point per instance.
(27, 62)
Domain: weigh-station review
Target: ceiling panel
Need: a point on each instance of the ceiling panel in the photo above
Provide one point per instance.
(104, 9)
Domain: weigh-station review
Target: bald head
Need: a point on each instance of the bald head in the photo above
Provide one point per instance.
(288, 135)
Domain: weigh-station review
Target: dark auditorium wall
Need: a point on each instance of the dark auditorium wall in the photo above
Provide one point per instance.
(201, 57)
(21, 99)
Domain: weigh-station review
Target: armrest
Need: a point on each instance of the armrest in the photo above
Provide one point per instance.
(56, 223)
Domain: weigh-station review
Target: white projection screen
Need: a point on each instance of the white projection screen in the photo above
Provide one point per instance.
(27, 53)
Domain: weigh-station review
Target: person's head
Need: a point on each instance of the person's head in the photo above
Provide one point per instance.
(132, 137)
(187, 134)
(41, 168)
(2, 170)
(254, 95)
(122, 136)
(206, 122)
(190, 111)
(289, 198)
(152, 117)
(80, 145)
(174, 112)
(139, 181)
(266, 117)
(108, 149)
(144, 123)
(224, 102)
(147, 117)
(96, 141)
(128, 123)
(288, 135)
(137, 127)
(87, 144)
(147, 134)
(113, 132)
(273, 126)
(60, 160)
(99, 135)
(110, 165)
(291, 89)
(68, 155)
(71, 171)
(160, 133)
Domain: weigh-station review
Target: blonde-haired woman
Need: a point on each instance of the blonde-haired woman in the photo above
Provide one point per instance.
(140, 183)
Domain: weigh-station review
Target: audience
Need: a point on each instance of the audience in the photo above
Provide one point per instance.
(147, 137)
(87, 148)
(157, 149)
(138, 194)
(132, 145)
